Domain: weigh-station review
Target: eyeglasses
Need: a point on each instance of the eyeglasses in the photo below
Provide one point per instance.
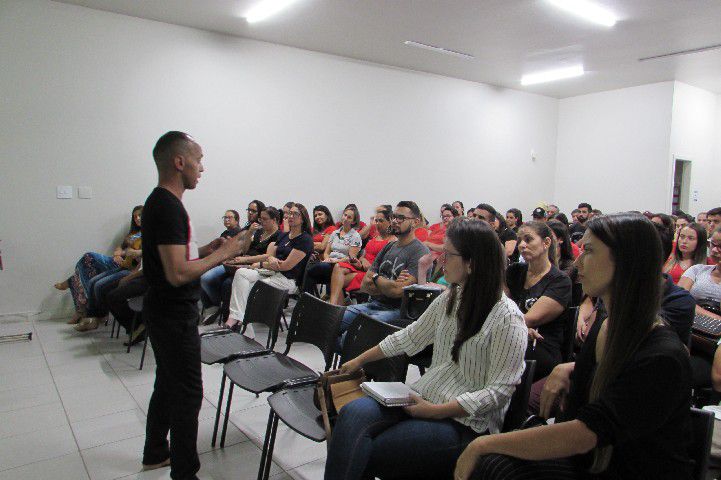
(227, 218)
(400, 218)
(293, 214)
(446, 254)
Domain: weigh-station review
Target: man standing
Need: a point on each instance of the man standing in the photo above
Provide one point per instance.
(172, 264)
(577, 229)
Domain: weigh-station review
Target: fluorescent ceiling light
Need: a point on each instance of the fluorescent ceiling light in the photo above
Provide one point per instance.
(588, 10)
(265, 9)
(551, 75)
(433, 48)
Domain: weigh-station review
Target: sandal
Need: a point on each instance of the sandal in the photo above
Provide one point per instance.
(90, 323)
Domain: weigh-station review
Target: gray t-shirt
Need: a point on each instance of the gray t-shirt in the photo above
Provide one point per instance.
(340, 243)
(704, 288)
(393, 259)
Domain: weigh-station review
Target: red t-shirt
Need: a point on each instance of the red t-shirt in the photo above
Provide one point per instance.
(422, 234)
(318, 236)
(576, 250)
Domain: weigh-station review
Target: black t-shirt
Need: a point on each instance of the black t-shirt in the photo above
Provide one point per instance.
(507, 235)
(258, 246)
(231, 232)
(576, 231)
(555, 284)
(165, 222)
(678, 308)
(643, 413)
(285, 244)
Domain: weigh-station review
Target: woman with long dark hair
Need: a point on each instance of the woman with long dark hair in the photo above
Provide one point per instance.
(514, 219)
(689, 250)
(283, 268)
(564, 252)
(479, 340)
(542, 292)
(628, 402)
(93, 267)
(323, 226)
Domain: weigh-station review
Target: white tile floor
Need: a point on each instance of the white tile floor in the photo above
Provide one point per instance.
(73, 406)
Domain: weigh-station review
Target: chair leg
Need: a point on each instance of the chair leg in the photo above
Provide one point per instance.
(132, 329)
(266, 457)
(145, 347)
(217, 411)
(117, 331)
(227, 415)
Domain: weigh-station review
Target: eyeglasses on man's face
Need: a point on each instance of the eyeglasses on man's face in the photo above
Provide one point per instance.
(400, 218)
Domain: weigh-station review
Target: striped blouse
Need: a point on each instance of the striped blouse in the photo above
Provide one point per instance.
(490, 363)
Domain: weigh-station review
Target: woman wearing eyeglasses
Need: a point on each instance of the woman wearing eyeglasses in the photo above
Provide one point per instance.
(627, 402)
(479, 340)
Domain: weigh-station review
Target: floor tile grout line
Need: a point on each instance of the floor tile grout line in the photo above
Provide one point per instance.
(77, 445)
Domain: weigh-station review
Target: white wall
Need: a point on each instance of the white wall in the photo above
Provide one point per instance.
(86, 94)
(613, 149)
(694, 136)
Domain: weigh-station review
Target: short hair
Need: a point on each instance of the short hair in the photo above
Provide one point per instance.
(412, 206)
(169, 145)
(714, 211)
(388, 207)
(596, 211)
(554, 206)
(585, 205)
(273, 213)
(235, 213)
(488, 208)
(575, 210)
(450, 208)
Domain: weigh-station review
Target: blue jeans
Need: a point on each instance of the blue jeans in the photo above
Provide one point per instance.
(373, 309)
(370, 440)
(98, 284)
(211, 282)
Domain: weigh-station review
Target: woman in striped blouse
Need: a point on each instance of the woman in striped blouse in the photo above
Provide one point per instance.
(479, 339)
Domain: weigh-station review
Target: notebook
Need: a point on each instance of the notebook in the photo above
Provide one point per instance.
(389, 394)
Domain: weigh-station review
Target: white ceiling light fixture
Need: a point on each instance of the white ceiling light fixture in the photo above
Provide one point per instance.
(552, 75)
(587, 10)
(433, 48)
(265, 9)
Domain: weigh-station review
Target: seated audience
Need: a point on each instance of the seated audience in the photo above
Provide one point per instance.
(542, 292)
(370, 230)
(471, 213)
(665, 221)
(342, 245)
(133, 285)
(437, 231)
(682, 219)
(479, 340)
(348, 276)
(458, 206)
(595, 213)
(580, 219)
(514, 219)
(564, 250)
(284, 221)
(395, 267)
(627, 398)
(704, 281)
(283, 267)
(689, 250)
(323, 225)
(211, 280)
(552, 211)
(574, 215)
(506, 236)
(95, 267)
(713, 219)
(539, 214)
(701, 219)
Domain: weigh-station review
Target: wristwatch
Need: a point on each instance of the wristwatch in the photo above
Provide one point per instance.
(375, 278)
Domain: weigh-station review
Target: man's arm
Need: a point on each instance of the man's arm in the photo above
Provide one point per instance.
(179, 271)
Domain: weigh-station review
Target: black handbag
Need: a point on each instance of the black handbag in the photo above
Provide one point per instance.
(416, 299)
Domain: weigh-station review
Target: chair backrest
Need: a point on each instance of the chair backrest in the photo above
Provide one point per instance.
(265, 305)
(518, 409)
(702, 423)
(364, 333)
(316, 322)
(569, 333)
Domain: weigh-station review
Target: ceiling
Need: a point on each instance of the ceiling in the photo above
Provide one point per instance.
(508, 38)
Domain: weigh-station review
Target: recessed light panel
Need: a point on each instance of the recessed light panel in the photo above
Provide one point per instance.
(587, 10)
(551, 75)
(265, 9)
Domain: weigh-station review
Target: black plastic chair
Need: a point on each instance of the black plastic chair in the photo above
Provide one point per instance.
(136, 305)
(265, 306)
(295, 407)
(569, 333)
(518, 409)
(313, 321)
(702, 423)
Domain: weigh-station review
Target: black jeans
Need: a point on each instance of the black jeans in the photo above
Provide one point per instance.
(117, 300)
(319, 273)
(177, 395)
